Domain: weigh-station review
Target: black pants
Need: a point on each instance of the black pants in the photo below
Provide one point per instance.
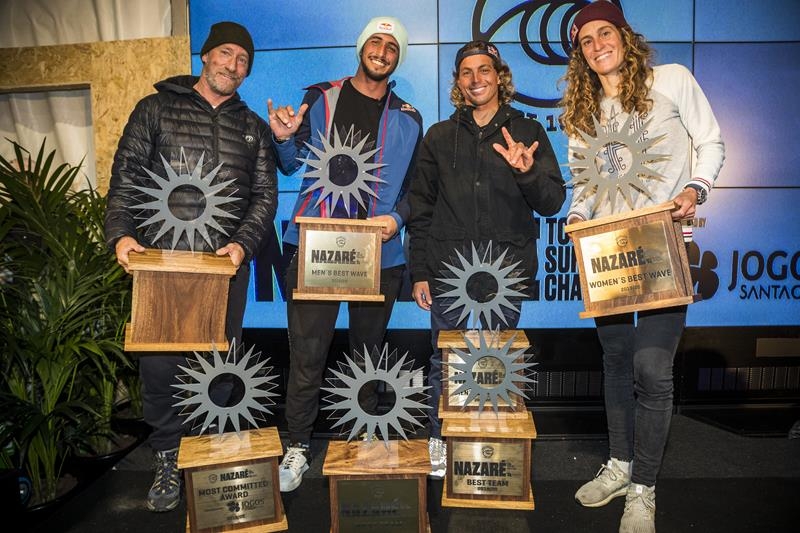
(158, 371)
(311, 327)
(638, 355)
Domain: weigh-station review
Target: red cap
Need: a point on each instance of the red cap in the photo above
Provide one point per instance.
(599, 10)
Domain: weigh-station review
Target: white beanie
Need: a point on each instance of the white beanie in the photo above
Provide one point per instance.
(388, 25)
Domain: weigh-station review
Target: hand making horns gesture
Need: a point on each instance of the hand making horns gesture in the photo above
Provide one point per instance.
(283, 121)
(517, 154)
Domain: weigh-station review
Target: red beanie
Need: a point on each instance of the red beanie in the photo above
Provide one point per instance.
(599, 10)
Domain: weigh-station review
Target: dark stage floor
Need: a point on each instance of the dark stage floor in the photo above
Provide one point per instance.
(712, 481)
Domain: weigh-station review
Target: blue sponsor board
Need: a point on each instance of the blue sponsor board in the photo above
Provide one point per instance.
(745, 255)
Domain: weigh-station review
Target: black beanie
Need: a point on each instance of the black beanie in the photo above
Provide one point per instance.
(230, 32)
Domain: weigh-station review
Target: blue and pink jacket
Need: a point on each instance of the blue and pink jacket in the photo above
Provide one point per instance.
(399, 136)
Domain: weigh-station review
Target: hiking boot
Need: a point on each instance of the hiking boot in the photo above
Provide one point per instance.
(438, 452)
(165, 493)
(640, 510)
(610, 482)
(293, 466)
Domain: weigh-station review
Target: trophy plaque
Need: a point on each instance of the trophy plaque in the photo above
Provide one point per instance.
(338, 259)
(179, 301)
(378, 486)
(489, 463)
(632, 262)
(232, 482)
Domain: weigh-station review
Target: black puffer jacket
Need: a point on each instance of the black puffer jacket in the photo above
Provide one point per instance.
(176, 132)
(464, 192)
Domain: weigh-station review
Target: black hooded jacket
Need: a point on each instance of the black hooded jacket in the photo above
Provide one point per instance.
(464, 192)
(174, 131)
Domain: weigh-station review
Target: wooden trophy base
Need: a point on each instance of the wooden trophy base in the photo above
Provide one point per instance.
(232, 482)
(367, 479)
(489, 463)
(179, 301)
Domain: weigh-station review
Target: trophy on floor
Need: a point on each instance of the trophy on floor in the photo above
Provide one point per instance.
(487, 427)
(636, 260)
(339, 257)
(378, 475)
(231, 477)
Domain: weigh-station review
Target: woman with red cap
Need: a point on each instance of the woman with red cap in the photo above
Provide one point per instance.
(615, 99)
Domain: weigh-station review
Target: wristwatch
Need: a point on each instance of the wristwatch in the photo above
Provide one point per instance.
(702, 194)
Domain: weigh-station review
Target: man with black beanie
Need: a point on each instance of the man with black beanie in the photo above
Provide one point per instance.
(192, 124)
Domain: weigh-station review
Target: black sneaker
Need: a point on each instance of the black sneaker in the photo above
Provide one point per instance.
(165, 493)
(294, 465)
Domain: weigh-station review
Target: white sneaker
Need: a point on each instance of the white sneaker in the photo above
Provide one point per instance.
(640, 510)
(437, 449)
(610, 482)
(293, 466)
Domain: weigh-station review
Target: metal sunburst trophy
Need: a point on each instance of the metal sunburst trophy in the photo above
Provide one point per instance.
(185, 279)
(231, 476)
(250, 372)
(615, 161)
(398, 377)
(378, 471)
(489, 372)
(206, 197)
(488, 452)
(339, 254)
(355, 180)
(482, 287)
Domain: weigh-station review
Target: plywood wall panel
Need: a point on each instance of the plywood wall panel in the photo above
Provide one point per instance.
(118, 74)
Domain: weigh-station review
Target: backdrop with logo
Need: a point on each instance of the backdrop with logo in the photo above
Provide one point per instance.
(746, 255)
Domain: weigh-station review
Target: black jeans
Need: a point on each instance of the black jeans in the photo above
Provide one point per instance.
(158, 371)
(637, 363)
(311, 327)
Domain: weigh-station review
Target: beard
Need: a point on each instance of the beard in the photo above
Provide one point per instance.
(371, 74)
(225, 87)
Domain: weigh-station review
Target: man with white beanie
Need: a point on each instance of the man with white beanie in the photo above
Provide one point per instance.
(342, 114)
